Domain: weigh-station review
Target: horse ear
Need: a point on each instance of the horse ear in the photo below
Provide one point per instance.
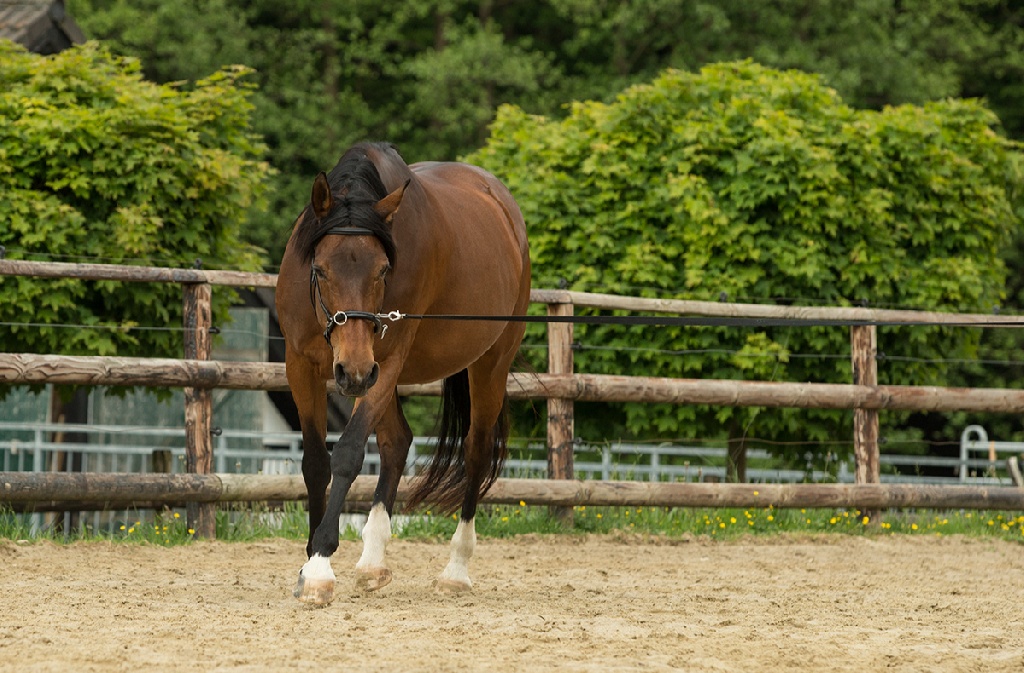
(321, 197)
(388, 206)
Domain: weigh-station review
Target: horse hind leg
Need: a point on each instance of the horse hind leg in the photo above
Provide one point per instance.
(455, 576)
(393, 440)
(484, 455)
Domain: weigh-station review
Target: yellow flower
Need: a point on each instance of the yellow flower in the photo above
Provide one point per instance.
(913, 526)
(865, 520)
(191, 531)
(522, 503)
(177, 515)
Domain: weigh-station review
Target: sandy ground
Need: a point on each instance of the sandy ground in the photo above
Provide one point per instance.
(831, 603)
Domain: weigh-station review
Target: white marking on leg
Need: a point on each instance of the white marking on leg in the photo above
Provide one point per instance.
(376, 534)
(463, 544)
(318, 568)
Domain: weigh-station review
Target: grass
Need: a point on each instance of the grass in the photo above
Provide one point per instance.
(507, 521)
(499, 521)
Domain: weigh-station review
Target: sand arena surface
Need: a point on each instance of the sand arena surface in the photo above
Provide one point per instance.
(831, 603)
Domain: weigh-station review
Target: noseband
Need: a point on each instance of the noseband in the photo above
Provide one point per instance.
(341, 317)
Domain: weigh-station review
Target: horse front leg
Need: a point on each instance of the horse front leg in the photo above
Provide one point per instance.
(316, 579)
(393, 440)
(311, 402)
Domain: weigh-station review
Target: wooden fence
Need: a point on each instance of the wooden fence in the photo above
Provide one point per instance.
(199, 375)
(32, 491)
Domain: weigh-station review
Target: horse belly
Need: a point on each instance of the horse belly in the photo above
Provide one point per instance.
(443, 348)
(486, 273)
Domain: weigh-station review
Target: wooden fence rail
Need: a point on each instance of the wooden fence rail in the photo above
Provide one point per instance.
(50, 491)
(25, 368)
(560, 386)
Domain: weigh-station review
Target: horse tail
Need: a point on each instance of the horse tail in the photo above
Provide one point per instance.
(443, 483)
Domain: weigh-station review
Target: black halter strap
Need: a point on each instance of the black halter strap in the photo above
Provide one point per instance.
(349, 231)
(339, 317)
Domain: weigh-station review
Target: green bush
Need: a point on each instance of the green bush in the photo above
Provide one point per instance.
(99, 165)
(755, 185)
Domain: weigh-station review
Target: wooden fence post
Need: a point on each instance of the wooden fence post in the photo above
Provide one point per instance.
(863, 349)
(198, 319)
(560, 411)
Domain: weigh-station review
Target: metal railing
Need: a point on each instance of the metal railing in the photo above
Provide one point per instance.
(988, 470)
(137, 449)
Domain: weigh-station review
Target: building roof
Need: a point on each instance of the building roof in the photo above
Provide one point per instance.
(42, 26)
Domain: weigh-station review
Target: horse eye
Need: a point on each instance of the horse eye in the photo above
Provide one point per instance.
(318, 271)
(384, 270)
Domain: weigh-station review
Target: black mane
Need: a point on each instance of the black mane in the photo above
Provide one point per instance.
(356, 186)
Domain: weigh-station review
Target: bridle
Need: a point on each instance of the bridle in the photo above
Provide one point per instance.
(342, 317)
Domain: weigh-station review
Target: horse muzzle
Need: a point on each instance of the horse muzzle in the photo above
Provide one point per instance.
(353, 381)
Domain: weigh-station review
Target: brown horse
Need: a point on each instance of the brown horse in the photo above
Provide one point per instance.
(378, 237)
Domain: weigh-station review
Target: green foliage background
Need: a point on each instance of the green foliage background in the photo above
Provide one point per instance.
(756, 185)
(99, 165)
(429, 75)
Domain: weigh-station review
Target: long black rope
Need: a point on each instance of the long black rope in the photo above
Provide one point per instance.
(695, 321)
(340, 317)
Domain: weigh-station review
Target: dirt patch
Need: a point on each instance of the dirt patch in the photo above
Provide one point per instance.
(540, 604)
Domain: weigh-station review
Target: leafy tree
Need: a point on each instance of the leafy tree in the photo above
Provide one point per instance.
(758, 185)
(428, 76)
(873, 52)
(97, 164)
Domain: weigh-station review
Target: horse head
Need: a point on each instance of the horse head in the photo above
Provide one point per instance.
(348, 277)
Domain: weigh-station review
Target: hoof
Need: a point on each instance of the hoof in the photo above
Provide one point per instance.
(449, 586)
(314, 592)
(371, 579)
(316, 581)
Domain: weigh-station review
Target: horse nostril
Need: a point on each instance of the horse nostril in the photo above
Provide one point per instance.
(339, 373)
(372, 377)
